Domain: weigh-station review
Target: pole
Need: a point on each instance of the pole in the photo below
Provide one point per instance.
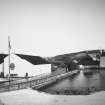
(3, 69)
(9, 56)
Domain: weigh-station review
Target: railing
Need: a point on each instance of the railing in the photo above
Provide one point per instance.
(35, 83)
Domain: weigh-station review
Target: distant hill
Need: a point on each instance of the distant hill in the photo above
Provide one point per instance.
(88, 57)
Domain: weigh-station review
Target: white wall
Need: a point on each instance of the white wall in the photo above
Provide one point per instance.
(102, 62)
(22, 66)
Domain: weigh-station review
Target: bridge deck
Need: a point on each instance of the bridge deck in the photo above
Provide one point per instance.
(34, 82)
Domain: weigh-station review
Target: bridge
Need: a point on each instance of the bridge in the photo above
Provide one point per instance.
(34, 82)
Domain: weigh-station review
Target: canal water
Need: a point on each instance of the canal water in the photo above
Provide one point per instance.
(79, 84)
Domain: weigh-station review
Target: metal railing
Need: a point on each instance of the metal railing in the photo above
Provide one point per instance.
(35, 83)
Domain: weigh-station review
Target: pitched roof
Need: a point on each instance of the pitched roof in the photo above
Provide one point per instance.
(2, 56)
(35, 60)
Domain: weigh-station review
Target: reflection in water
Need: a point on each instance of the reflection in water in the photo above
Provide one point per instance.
(93, 82)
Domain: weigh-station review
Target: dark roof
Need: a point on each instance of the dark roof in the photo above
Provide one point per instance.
(35, 60)
(2, 56)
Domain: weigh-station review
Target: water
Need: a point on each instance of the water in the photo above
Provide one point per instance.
(82, 84)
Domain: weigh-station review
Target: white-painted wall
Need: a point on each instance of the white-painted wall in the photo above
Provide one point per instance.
(102, 62)
(22, 66)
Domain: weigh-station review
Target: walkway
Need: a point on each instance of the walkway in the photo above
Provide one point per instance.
(34, 82)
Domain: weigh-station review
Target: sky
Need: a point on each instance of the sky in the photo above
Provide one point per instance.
(52, 27)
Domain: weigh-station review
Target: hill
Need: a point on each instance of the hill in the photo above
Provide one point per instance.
(88, 57)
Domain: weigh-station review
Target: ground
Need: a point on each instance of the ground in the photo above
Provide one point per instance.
(32, 97)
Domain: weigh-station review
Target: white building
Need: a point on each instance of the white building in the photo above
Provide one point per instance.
(22, 67)
(102, 60)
